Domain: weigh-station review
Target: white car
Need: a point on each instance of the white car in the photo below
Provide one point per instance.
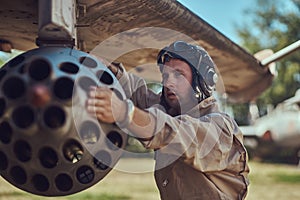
(276, 136)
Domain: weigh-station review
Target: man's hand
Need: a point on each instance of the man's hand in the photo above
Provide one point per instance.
(105, 105)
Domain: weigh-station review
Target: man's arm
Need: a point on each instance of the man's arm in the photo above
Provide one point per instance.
(108, 108)
(134, 87)
(204, 142)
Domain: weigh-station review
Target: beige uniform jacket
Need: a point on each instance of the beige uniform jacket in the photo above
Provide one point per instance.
(199, 154)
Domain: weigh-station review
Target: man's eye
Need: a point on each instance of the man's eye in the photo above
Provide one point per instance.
(177, 74)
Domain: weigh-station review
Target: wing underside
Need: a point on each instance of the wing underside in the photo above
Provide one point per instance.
(136, 30)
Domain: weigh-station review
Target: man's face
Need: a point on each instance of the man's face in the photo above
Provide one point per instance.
(177, 81)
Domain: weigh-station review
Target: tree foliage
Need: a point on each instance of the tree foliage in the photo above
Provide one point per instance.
(275, 25)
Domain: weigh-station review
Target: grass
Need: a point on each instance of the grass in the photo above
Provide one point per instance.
(274, 181)
(103, 196)
(268, 181)
(287, 178)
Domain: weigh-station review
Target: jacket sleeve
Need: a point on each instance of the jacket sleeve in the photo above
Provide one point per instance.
(136, 89)
(204, 142)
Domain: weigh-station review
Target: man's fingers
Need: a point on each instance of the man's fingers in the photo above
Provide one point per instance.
(100, 92)
(96, 110)
(101, 114)
(101, 104)
(98, 102)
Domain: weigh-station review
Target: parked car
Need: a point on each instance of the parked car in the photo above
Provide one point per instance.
(276, 136)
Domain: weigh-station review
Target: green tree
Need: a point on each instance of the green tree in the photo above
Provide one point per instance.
(275, 25)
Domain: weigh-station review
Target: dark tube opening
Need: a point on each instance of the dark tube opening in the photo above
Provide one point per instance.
(39, 70)
(14, 87)
(48, 157)
(23, 151)
(18, 175)
(102, 160)
(63, 88)
(89, 132)
(105, 77)
(85, 83)
(88, 62)
(23, 117)
(40, 183)
(64, 182)
(69, 68)
(5, 132)
(85, 174)
(114, 141)
(54, 117)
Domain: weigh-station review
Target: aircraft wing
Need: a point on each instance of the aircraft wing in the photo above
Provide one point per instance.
(147, 27)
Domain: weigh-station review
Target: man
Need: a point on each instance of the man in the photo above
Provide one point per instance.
(199, 150)
(7, 51)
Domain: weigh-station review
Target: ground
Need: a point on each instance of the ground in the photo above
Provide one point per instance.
(268, 181)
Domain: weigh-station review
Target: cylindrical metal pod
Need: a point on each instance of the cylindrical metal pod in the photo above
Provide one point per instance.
(49, 144)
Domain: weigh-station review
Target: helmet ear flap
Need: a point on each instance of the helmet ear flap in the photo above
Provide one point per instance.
(212, 79)
(207, 71)
(204, 83)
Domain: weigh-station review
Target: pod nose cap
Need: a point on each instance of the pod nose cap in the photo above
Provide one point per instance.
(39, 95)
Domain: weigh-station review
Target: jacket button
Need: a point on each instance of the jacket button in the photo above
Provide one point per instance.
(165, 183)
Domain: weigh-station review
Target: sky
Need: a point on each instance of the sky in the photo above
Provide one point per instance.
(224, 15)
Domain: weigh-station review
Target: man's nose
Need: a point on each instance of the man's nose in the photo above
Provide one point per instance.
(171, 81)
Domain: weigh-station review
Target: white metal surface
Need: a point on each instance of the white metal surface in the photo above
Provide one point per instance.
(56, 20)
